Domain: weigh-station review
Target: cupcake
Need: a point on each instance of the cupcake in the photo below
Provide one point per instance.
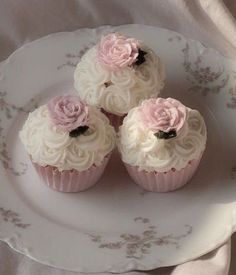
(161, 144)
(117, 74)
(68, 142)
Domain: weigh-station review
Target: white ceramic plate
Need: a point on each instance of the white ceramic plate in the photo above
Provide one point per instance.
(116, 226)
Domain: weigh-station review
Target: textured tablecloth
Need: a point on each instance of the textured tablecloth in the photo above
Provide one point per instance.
(210, 21)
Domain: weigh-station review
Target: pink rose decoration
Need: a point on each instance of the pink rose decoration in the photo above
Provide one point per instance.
(163, 114)
(68, 112)
(116, 51)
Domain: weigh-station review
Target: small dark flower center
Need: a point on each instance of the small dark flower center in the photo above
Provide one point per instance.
(141, 57)
(78, 131)
(166, 135)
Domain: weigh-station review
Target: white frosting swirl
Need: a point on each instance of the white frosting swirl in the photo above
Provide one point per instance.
(47, 144)
(126, 87)
(140, 147)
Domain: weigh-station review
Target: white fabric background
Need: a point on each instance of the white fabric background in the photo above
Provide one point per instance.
(210, 21)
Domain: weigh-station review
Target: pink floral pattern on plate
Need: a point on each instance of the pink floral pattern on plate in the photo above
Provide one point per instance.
(203, 78)
(13, 218)
(137, 246)
(72, 59)
(9, 110)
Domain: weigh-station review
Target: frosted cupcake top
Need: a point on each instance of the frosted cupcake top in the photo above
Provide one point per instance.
(118, 73)
(162, 134)
(67, 134)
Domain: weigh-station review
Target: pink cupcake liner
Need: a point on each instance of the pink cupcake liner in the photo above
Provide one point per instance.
(115, 120)
(70, 180)
(163, 182)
